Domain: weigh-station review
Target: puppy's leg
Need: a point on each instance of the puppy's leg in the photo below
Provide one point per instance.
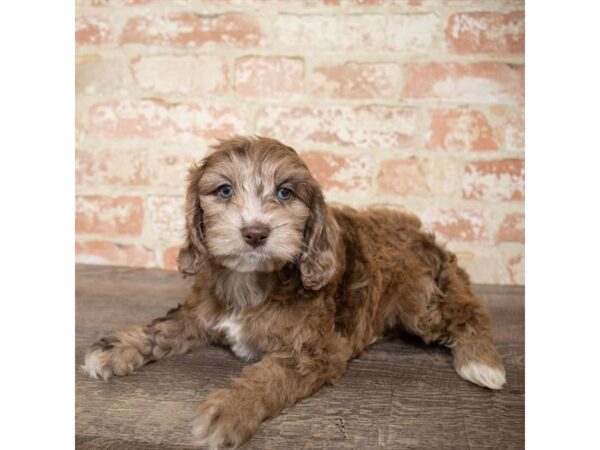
(231, 416)
(124, 352)
(475, 357)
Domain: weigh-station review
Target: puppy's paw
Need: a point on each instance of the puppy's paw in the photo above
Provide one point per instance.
(225, 420)
(109, 356)
(483, 374)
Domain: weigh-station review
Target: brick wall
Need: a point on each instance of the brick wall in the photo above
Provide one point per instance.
(418, 104)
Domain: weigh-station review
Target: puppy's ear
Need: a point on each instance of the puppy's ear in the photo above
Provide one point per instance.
(194, 253)
(319, 262)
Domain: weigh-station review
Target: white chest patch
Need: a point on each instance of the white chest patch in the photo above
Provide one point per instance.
(231, 326)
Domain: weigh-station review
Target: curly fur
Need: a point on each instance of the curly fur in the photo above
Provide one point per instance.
(326, 284)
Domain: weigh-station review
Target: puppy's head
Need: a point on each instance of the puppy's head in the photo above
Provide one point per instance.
(253, 206)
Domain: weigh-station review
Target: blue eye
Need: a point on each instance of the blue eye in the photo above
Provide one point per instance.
(284, 193)
(225, 191)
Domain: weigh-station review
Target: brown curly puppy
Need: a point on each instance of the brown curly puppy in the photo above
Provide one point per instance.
(299, 287)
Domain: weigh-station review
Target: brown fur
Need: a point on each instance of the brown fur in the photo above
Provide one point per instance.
(328, 283)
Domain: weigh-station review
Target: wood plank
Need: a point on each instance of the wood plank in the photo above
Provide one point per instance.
(399, 394)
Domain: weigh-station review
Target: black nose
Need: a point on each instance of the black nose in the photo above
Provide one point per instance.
(256, 235)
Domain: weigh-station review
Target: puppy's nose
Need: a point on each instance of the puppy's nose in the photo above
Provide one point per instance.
(256, 235)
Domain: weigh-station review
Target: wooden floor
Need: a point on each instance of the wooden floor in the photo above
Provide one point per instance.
(398, 395)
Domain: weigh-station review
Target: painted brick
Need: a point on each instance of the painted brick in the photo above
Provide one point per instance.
(192, 30)
(516, 269)
(169, 261)
(378, 127)
(486, 32)
(166, 216)
(84, 169)
(122, 168)
(381, 96)
(168, 74)
(512, 228)
(355, 80)
(404, 177)
(115, 168)
(169, 169)
(481, 82)
(157, 119)
(458, 4)
(511, 127)
(80, 126)
(119, 3)
(347, 2)
(97, 75)
(482, 263)
(340, 173)
(92, 30)
(257, 76)
(110, 253)
(109, 215)
(474, 4)
(515, 131)
(494, 180)
(460, 129)
(463, 225)
(391, 32)
(420, 176)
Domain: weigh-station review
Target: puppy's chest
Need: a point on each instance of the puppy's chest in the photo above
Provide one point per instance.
(248, 326)
(236, 335)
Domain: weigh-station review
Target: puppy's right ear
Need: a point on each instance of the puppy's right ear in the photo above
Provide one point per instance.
(193, 254)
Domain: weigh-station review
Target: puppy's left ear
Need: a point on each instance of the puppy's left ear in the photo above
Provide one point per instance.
(194, 253)
(319, 262)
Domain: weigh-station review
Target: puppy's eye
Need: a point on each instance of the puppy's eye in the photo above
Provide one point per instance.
(284, 193)
(225, 191)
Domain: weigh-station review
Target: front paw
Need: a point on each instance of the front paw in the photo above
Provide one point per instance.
(225, 420)
(110, 356)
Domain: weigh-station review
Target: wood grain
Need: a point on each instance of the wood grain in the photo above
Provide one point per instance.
(400, 394)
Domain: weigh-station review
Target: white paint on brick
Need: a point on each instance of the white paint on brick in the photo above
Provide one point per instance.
(480, 26)
(166, 217)
(102, 25)
(105, 214)
(353, 80)
(412, 33)
(162, 26)
(472, 89)
(350, 173)
(376, 127)
(511, 29)
(152, 118)
(401, 33)
(450, 217)
(494, 186)
(167, 74)
(467, 23)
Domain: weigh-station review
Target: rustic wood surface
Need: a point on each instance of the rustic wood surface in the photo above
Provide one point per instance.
(398, 395)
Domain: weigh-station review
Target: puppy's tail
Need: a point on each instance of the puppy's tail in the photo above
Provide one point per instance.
(476, 360)
(475, 357)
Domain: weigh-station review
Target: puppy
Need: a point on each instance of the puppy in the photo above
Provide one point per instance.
(299, 288)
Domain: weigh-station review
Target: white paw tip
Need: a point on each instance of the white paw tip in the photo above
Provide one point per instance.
(206, 436)
(93, 367)
(199, 431)
(483, 375)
